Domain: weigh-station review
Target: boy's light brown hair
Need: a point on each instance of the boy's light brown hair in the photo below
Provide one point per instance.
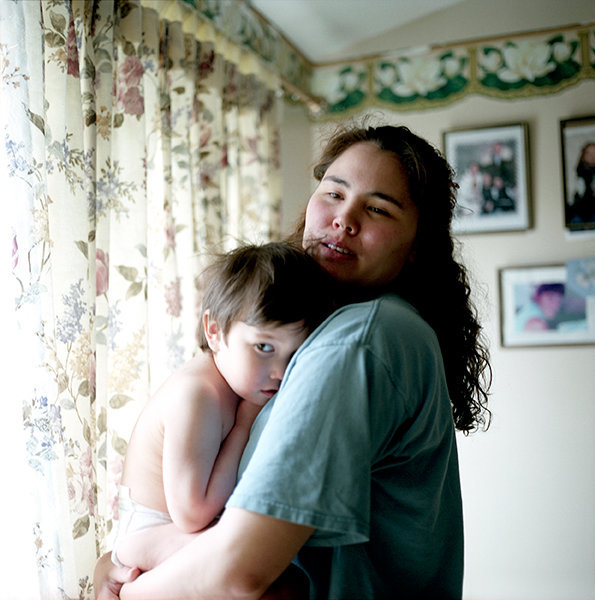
(275, 283)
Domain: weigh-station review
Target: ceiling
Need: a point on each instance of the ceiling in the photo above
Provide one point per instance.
(335, 30)
(325, 30)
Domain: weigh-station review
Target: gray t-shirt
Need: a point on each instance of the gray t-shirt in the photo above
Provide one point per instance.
(359, 443)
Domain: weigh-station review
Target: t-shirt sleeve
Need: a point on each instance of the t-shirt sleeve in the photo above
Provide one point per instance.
(313, 459)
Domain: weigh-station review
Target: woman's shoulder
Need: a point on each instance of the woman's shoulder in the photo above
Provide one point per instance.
(386, 316)
(382, 311)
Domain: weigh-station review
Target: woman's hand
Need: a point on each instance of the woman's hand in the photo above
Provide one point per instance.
(108, 579)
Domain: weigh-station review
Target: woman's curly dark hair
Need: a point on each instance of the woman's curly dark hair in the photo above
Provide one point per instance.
(434, 282)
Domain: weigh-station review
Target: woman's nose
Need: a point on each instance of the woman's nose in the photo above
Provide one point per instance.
(345, 221)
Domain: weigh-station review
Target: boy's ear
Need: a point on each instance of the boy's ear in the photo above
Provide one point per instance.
(212, 331)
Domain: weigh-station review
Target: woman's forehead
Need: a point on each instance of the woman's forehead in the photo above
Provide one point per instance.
(365, 165)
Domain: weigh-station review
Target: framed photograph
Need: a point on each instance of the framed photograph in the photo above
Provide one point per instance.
(577, 137)
(492, 170)
(549, 305)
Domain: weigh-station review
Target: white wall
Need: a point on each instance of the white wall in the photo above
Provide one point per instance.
(475, 19)
(529, 482)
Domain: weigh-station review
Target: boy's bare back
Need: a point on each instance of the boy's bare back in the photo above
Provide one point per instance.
(186, 419)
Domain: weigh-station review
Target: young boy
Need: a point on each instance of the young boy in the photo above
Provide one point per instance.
(260, 304)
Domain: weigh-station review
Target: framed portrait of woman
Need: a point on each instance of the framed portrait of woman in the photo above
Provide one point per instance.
(577, 138)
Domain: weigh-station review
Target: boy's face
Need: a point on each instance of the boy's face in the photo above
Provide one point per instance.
(253, 359)
(550, 303)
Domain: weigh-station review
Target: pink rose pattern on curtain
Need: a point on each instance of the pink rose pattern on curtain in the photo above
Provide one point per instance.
(131, 149)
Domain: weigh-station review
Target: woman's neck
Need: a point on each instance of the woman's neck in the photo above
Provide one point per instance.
(346, 293)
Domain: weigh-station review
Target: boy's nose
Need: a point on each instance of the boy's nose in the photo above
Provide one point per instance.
(277, 372)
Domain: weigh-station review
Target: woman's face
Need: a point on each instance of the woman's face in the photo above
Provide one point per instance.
(361, 222)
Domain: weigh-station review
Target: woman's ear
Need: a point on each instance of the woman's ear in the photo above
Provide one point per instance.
(212, 331)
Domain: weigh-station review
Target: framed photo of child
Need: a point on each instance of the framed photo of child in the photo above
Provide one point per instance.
(491, 169)
(548, 305)
(577, 137)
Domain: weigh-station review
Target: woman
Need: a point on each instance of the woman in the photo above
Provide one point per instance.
(353, 467)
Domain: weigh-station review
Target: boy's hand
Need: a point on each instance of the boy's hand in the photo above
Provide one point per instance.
(108, 579)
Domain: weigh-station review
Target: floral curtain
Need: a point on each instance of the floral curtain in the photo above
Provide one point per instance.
(135, 139)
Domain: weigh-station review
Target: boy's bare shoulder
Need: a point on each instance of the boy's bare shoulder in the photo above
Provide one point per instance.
(195, 386)
(195, 379)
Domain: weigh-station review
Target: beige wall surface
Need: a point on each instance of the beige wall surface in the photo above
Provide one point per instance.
(529, 482)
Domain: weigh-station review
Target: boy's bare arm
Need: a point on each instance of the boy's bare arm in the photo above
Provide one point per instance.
(193, 433)
(225, 469)
(199, 466)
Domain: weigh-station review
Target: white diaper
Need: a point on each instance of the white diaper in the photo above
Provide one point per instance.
(134, 517)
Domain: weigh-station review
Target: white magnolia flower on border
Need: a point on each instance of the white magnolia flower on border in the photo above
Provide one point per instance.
(452, 67)
(385, 77)
(526, 61)
(491, 62)
(350, 80)
(561, 52)
(335, 87)
(418, 76)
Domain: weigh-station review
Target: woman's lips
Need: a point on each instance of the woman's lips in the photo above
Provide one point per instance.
(335, 249)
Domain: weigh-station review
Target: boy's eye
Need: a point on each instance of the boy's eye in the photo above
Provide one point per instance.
(265, 348)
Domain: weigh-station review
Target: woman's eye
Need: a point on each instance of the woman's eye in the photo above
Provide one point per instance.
(334, 195)
(266, 348)
(379, 211)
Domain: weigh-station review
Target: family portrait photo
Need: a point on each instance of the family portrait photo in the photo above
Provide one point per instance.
(491, 166)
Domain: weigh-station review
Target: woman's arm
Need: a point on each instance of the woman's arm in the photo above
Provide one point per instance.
(240, 557)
